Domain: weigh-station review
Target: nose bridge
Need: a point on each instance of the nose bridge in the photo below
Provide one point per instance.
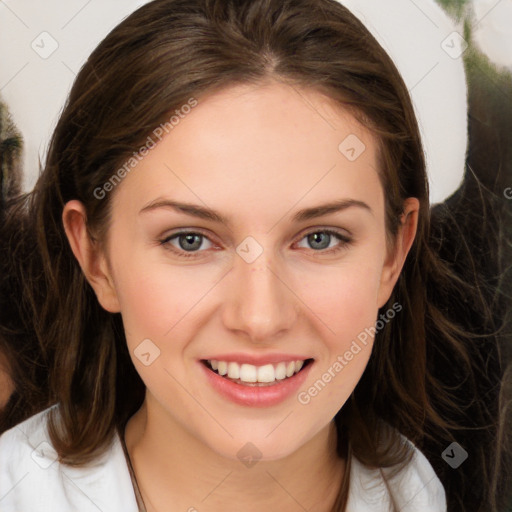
(260, 304)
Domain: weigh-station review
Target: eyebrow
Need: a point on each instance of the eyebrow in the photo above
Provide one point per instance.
(305, 214)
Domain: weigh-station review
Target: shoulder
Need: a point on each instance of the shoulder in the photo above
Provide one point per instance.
(32, 478)
(415, 487)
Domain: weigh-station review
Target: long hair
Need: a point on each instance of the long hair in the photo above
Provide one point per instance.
(151, 64)
(20, 347)
(22, 355)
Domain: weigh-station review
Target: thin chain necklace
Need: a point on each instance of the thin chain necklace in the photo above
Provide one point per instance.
(341, 498)
(141, 503)
(138, 494)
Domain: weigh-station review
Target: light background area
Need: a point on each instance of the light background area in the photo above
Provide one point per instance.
(35, 88)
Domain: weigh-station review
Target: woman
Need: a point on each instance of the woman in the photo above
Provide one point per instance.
(264, 371)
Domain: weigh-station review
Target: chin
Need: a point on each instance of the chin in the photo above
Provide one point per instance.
(252, 448)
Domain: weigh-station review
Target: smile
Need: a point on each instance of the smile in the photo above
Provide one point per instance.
(246, 388)
(248, 374)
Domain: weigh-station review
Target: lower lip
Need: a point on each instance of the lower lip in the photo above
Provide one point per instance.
(256, 396)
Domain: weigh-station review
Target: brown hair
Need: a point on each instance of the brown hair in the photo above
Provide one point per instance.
(154, 61)
(23, 355)
(20, 351)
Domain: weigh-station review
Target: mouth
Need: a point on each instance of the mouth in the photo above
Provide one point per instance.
(256, 376)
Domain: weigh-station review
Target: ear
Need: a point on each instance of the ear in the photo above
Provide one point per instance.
(89, 255)
(403, 242)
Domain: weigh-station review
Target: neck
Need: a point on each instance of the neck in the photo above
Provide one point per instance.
(181, 470)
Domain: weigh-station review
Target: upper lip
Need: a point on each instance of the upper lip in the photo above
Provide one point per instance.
(257, 360)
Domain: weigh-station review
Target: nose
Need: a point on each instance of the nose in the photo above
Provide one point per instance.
(260, 303)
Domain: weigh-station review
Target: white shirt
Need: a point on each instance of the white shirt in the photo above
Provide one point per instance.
(32, 480)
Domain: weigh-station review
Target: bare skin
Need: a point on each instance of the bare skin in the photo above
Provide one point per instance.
(228, 479)
(256, 155)
(6, 384)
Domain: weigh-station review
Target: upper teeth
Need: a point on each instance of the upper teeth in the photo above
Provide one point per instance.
(251, 373)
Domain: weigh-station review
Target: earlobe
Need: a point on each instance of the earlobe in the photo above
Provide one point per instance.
(89, 255)
(404, 240)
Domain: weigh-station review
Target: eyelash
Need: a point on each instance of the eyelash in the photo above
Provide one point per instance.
(344, 242)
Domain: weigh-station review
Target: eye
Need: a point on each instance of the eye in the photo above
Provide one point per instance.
(320, 240)
(187, 242)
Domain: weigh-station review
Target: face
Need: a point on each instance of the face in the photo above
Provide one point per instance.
(271, 277)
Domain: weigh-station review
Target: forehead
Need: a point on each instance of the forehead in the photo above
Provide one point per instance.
(253, 145)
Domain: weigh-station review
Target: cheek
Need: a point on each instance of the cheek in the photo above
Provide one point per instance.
(344, 301)
(344, 297)
(159, 300)
(161, 310)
